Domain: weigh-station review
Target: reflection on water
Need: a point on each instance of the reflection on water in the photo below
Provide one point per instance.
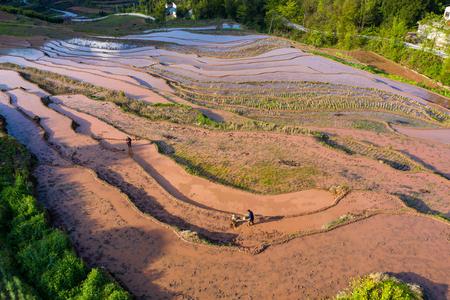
(28, 53)
(99, 44)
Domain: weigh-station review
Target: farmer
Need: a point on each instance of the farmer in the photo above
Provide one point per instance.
(250, 217)
(130, 151)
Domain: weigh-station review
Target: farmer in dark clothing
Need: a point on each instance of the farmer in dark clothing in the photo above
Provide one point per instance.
(250, 217)
(130, 151)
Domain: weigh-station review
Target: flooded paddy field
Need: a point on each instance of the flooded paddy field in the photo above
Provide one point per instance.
(339, 165)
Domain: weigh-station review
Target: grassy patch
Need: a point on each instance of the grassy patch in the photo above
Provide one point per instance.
(30, 13)
(339, 221)
(113, 26)
(369, 125)
(380, 286)
(19, 25)
(266, 177)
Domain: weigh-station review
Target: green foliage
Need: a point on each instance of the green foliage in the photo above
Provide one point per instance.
(63, 275)
(28, 230)
(98, 286)
(203, 120)
(345, 23)
(30, 13)
(12, 287)
(30, 251)
(16, 161)
(369, 125)
(380, 286)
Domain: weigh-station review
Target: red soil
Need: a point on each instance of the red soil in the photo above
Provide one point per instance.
(122, 211)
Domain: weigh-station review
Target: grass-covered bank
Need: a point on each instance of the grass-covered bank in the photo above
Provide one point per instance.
(36, 260)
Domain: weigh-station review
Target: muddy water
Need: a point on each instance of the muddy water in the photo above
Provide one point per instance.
(437, 135)
(28, 133)
(12, 80)
(29, 53)
(103, 80)
(152, 262)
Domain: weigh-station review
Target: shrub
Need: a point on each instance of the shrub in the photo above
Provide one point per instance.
(380, 286)
(25, 231)
(22, 205)
(97, 286)
(203, 120)
(5, 216)
(39, 255)
(12, 287)
(63, 276)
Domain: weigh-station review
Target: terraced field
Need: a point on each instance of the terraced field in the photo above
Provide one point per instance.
(326, 156)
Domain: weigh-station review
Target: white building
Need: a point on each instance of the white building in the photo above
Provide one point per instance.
(438, 32)
(447, 13)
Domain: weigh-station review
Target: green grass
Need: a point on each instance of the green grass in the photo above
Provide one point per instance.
(113, 26)
(369, 125)
(30, 13)
(264, 177)
(37, 261)
(379, 286)
(339, 221)
(27, 27)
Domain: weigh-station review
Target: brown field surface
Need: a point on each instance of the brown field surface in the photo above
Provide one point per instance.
(347, 172)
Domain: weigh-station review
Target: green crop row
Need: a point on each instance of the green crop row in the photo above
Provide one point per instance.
(314, 101)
